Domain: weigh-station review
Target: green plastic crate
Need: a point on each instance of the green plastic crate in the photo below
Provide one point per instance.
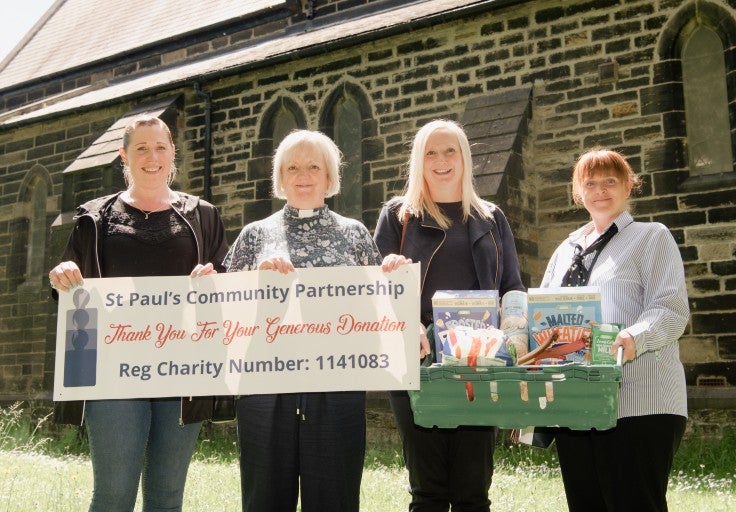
(577, 396)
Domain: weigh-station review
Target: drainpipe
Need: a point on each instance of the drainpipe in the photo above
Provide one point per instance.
(207, 177)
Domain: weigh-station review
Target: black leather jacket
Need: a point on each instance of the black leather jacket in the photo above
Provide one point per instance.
(492, 245)
(83, 248)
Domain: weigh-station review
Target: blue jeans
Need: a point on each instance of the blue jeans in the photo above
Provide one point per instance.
(130, 438)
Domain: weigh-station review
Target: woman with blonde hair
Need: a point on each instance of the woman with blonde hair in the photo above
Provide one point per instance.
(462, 243)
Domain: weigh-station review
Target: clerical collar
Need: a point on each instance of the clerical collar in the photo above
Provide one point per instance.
(298, 213)
(303, 214)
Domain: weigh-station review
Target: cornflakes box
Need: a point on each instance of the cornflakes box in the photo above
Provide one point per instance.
(471, 309)
(561, 322)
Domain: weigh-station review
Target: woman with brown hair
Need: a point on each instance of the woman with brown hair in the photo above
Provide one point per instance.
(146, 230)
(639, 271)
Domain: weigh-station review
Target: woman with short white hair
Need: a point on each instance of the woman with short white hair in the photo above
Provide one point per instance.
(308, 442)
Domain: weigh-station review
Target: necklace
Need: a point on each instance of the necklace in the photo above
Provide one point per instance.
(146, 213)
(165, 205)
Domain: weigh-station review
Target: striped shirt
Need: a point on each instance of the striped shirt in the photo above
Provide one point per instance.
(642, 283)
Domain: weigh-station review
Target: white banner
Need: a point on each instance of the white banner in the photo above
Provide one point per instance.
(319, 329)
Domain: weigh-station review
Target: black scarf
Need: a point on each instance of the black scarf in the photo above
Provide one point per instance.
(577, 274)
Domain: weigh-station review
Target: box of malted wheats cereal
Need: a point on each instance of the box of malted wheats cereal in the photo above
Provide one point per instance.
(561, 322)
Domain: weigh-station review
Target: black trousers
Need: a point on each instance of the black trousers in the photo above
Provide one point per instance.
(319, 451)
(447, 467)
(624, 469)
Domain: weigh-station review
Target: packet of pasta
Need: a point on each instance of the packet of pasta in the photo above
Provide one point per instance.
(515, 323)
(465, 346)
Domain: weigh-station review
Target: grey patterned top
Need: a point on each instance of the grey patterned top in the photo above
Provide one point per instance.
(324, 239)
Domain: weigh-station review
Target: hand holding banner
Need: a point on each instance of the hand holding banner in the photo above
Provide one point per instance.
(317, 329)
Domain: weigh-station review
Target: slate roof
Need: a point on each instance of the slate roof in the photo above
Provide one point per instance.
(73, 33)
(298, 42)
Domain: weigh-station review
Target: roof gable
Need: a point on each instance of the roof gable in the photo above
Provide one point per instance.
(75, 33)
(298, 43)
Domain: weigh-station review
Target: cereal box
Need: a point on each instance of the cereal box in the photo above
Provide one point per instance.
(474, 309)
(560, 323)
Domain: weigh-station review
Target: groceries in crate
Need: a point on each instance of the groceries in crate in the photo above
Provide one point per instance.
(564, 325)
(561, 320)
(541, 327)
(464, 346)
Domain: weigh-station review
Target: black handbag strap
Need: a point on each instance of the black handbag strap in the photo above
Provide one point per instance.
(404, 222)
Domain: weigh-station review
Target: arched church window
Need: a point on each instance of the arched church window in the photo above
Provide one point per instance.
(349, 138)
(37, 229)
(284, 122)
(706, 103)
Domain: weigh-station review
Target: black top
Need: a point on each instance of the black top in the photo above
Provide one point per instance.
(135, 244)
(452, 265)
(491, 251)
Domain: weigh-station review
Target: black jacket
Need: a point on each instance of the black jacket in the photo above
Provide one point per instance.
(492, 243)
(83, 248)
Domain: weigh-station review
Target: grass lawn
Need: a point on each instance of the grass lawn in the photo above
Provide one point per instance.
(44, 468)
(32, 481)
